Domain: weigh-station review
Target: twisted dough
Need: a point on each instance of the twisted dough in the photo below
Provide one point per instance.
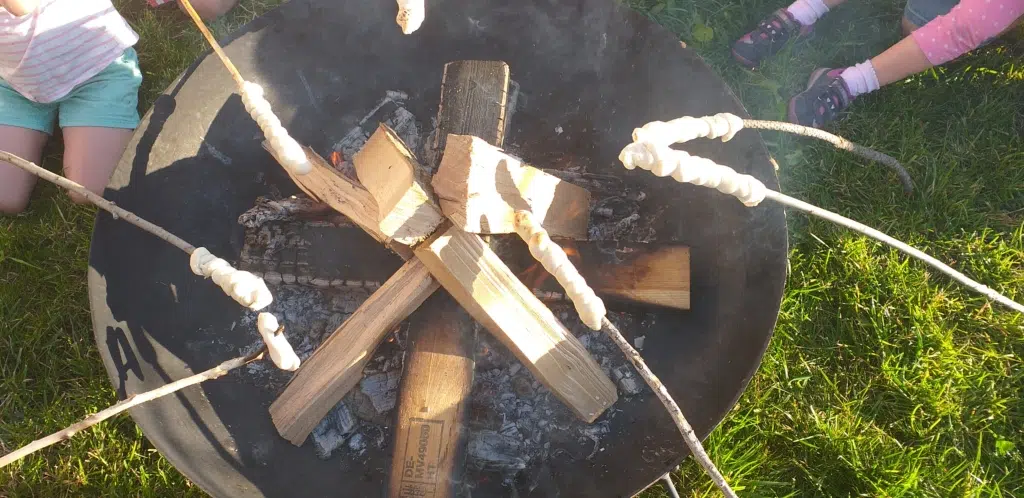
(281, 353)
(288, 151)
(553, 259)
(664, 161)
(249, 290)
(687, 128)
(410, 15)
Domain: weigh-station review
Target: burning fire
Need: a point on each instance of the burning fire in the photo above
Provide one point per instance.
(535, 276)
(336, 158)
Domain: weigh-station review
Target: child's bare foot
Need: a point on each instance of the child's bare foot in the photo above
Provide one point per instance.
(768, 38)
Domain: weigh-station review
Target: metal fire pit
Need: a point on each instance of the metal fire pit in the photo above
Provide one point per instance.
(589, 72)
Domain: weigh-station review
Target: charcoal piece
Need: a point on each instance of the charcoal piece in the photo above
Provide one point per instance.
(382, 389)
(332, 432)
(490, 450)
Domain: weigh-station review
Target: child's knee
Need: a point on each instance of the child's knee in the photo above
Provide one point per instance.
(79, 198)
(88, 177)
(15, 189)
(13, 204)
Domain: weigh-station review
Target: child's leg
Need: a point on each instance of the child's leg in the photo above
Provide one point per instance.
(779, 28)
(24, 128)
(91, 154)
(807, 12)
(16, 184)
(965, 27)
(98, 118)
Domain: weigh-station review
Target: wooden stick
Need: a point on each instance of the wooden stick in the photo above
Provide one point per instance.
(691, 439)
(126, 404)
(98, 201)
(839, 143)
(337, 365)
(593, 314)
(213, 43)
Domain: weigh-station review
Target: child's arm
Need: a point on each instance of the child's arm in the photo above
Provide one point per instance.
(20, 7)
(966, 27)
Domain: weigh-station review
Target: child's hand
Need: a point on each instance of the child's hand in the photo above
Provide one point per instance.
(20, 7)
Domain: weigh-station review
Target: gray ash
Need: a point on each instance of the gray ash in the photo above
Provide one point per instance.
(617, 217)
(310, 315)
(389, 111)
(515, 424)
(268, 210)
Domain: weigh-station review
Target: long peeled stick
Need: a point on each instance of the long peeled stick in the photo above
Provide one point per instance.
(592, 313)
(126, 404)
(285, 148)
(114, 210)
(726, 126)
(244, 287)
(662, 160)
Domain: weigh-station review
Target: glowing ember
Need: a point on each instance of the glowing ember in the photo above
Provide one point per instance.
(336, 158)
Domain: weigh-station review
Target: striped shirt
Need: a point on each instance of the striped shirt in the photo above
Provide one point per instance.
(47, 53)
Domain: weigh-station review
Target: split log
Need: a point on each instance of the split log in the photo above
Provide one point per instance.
(430, 434)
(325, 184)
(487, 289)
(337, 365)
(388, 170)
(438, 374)
(473, 98)
(481, 187)
(643, 274)
(659, 277)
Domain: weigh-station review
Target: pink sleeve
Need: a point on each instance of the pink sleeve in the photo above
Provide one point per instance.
(969, 24)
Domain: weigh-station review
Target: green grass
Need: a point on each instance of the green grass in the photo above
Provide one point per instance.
(883, 379)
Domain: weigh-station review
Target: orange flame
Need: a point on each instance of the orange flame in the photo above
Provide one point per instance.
(336, 158)
(535, 276)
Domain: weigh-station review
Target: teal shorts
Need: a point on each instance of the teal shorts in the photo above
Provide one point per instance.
(108, 100)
